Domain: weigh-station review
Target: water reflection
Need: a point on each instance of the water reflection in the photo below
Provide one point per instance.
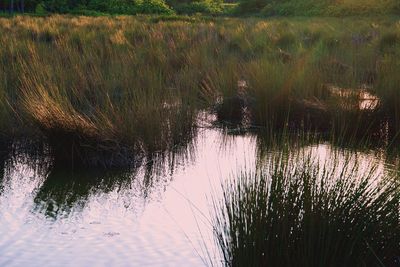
(3, 156)
(45, 207)
(64, 192)
(156, 213)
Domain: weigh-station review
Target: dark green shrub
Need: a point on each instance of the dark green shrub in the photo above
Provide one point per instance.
(205, 7)
(56, 6)
(229, 8)
(113, 7)
(155, 7)
(40, 9)
(98, 5)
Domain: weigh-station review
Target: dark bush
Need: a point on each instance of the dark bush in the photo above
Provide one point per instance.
(205, 7)
(155, 7)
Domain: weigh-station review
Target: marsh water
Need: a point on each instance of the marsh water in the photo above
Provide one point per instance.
(155, 214)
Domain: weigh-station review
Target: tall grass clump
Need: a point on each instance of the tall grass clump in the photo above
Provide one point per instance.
(99, 94)
(297, 212)
(133, 85)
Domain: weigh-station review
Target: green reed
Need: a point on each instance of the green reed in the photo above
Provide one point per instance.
(297, 211)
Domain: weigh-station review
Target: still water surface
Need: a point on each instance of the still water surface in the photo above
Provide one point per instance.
(146, 216)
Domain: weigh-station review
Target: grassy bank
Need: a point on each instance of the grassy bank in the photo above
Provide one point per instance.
(300, 211)
(335, 8)
(112, 87)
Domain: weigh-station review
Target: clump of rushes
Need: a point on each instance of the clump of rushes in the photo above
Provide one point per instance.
(97, 101)
(296, 212)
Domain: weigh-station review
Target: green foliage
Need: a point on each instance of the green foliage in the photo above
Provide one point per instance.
(229, 8)
(318, 7)
(131, 7)
(215, 7)
(205, 7)
(114, 6)
(40, 9)
(60, 6)
(155, 7)
(98, 5)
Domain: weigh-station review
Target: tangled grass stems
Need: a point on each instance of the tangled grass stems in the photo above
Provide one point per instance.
(295, 211)
(126, 83)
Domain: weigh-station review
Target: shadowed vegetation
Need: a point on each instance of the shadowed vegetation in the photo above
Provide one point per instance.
(300, 211)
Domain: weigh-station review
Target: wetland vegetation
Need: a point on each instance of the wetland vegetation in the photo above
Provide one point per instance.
(297, 209)
(122, 86)
(132, 94)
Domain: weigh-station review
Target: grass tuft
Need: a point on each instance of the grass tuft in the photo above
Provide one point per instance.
(296, 211)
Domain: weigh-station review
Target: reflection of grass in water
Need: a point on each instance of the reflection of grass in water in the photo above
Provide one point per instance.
(295, 213)
(66, 190)
(4, 150)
